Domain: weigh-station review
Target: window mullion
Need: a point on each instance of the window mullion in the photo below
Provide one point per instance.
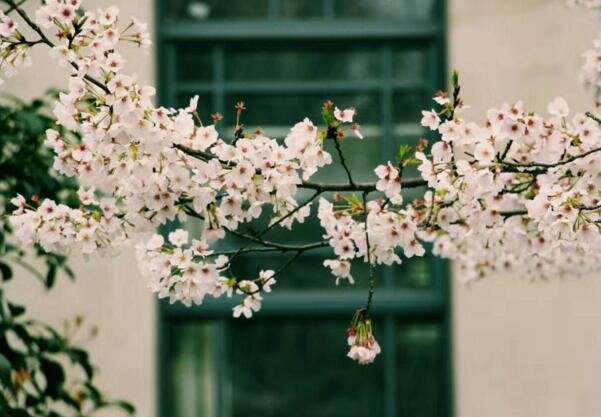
(224, 395)
(219, 81)
(390, 377)
(274, 9)
(171, 74)
(328, 9)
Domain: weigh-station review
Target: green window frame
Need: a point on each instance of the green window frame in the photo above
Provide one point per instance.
(394, 306)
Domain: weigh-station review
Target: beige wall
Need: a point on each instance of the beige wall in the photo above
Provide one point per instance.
(109, 293)
(521, 349)
(524, 349)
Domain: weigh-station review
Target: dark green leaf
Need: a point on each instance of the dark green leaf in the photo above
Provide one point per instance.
(123, 405)
(55, 377)
(5, 371)
(81, 357)
(6, 271)
(51, 275)
(16, 310)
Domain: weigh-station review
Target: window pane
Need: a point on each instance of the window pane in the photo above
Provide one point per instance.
(416, 273)
(303, 62)
(399, 10)
(411, 64)
(407, 108)
(420, 370)
(195, 62)
(301, 9)
(192, 370)
(203, 10)
(299, 368)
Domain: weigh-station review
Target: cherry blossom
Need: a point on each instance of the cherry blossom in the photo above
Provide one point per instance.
(518, 192)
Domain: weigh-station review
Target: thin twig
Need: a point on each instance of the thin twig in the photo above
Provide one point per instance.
(545, 167)
(507, 214)
(343, 161)
(44, 39)
(372, 280)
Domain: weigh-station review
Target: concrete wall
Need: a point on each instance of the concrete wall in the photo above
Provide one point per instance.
(109, 293)
(521, 349)
(524, 349)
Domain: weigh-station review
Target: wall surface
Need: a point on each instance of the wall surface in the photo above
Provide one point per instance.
(524, 349)
(109, 293)
(521, 349)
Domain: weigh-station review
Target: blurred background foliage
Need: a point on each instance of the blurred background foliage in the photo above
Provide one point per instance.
(42, 372)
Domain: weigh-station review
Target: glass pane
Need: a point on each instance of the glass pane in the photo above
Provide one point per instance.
(206, 10)
(407, 109)
(192, 370)
(411, 64)
(301, 9)
(195, 62)
(399, 10)
(303, 62)
(415, 273)
(299, 368)
(420, 370)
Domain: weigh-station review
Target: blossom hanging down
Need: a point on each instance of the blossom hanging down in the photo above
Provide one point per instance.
(363, 346)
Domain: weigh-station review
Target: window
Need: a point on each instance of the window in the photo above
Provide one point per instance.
(284, 58)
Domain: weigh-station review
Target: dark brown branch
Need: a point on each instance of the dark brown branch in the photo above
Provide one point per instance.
(13, 6)
(44, 39)
(343, 161)
(275, 247)
(545, 167)
(317, 186)
(508, 214)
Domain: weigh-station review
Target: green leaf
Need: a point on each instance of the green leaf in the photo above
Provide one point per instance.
(69, 272)
(5, 371)
(16, 310)
(405, 151)
(55, 377)
(51, 275)
(82, 358)
(455, 79)
(6, 271)
(123, 405)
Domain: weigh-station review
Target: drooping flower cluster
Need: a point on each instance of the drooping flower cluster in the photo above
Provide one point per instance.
(363, 346)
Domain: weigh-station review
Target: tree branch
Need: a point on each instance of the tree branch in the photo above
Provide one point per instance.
(343, 161)
(275, 247)
(317, 186)
(44, 39)
(372, 279)
(545, 167)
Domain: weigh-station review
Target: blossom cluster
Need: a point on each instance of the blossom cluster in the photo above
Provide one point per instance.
(372, 232)
(143, 166)
(519, 192)
(14, 49)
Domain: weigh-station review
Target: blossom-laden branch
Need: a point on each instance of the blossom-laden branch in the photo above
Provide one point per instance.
(520, 192)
